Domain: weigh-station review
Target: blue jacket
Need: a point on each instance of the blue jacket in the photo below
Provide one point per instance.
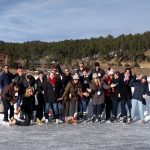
(5, 79)
(140, 90)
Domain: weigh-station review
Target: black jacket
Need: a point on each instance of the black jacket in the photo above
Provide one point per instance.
(52, 93)
(127, 86)
(28, 105)
(120, 91)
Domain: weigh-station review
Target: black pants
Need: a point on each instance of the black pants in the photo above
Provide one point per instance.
(7, 106)
(40, 110)
(123, 107)
(97, 109)
(26, 121)
(40, 106)
(108, 106)
(115, 107)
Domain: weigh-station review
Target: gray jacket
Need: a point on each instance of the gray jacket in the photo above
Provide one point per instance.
(98, 93)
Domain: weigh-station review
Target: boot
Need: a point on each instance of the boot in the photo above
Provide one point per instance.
(99, 118)
(94, 119)
(112, 119)
(125, 119)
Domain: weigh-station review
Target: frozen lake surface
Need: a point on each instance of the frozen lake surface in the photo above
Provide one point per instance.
(84, 136)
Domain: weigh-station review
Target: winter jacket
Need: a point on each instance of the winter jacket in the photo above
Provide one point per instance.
(108, 82)
(126, 84)
(72, 91)
(140, 90)
(28, 105)
(119, 92)
(5, 79)
(52, 92)
(98, 93)
(8, 93)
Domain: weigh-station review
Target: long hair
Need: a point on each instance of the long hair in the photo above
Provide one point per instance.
(96, 84)
(27, 93)
(130, 71)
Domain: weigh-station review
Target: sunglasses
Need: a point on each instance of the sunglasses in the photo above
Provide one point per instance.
(95, 78)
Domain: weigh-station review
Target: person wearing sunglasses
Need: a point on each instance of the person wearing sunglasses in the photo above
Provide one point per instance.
(26, 108)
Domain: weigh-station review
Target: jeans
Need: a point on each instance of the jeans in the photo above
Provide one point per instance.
(54, 107)
(20, 100)
(140, 106)
(115, 107)
(83, 104)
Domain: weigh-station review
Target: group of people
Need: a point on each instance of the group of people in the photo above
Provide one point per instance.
(62, 96)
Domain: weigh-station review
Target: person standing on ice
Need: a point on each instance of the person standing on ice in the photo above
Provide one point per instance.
(139, 95)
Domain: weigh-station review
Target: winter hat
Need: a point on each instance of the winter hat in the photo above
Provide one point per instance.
(75, 77)
(94, 75)
(111, 72)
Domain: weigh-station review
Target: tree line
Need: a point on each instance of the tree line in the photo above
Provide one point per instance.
(126, 47)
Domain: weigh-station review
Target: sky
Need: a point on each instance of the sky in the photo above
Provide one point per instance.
(57, 20)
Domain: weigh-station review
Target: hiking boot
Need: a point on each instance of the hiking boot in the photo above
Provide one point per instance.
(125, 120)
(112, 119)
(94, 119)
